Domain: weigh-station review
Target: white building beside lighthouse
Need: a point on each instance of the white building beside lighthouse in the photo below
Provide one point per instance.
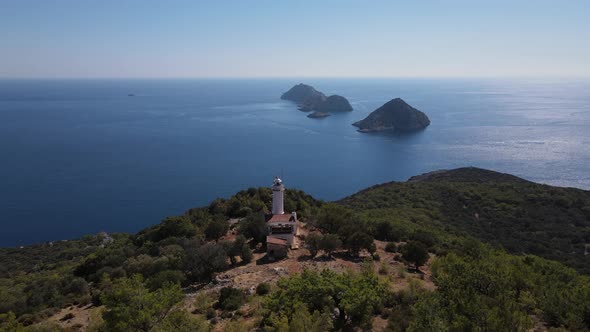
(282, 228)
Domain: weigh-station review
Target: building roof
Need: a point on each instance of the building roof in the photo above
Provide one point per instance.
(272, 218)
(274, 240)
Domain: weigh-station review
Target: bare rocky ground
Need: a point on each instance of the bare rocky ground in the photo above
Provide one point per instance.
(77, 318)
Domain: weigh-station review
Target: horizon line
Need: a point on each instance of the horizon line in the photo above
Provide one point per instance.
(291, 77)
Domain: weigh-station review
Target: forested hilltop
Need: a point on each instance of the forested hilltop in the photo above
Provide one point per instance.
(500, 209)
(466, 249)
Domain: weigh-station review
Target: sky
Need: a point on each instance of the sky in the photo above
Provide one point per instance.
(297, 38)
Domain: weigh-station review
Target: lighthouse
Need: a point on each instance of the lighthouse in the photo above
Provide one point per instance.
(277, 196)
(282, 228)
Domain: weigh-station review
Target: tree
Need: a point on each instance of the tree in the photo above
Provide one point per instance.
(312, 242)
(355, 295)
(329, 243)
(234, 248)
(358, 241)
(106, 259)
(239, 248)
(426, 238)
(14, 297)
(169, 227)
(230, 298)
(246, 253)
(205, 260)
(490, 292)
(302, 320)
(414, 252)
(389, 230)
(254, 227)
(385, 231)
(132, 307)
(332, 217)
(216, 229)
(218, 207)
(77, 286)
(142, 264)
(165, 277)
(8, 323)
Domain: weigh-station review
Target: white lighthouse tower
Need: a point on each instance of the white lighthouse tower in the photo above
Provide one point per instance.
(282, 228)
(277, 196)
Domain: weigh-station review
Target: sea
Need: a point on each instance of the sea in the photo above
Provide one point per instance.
(84, 156)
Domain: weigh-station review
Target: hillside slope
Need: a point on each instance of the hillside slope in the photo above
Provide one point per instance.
(501, 209)
(393, 257)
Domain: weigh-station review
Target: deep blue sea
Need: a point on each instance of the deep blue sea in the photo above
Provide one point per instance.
(82, 156)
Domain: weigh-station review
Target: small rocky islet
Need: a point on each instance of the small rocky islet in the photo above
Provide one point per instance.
(318, 115)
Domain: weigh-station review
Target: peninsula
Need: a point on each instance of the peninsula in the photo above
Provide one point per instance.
(395, 253)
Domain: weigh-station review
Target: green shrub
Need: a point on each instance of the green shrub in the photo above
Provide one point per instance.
(178, 226)
(180, 320)
(355, 295)
(166, 277)
(230, 298)
(241, 248)
(9, 323)
(202, 262)
(131, 306)
(246, 254)
(216, 229)
(391, 247)
(426, 238)
(263, 288)
(210, 313)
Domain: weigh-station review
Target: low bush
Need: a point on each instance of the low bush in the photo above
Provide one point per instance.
(230, 298)
(263, 288)
(391, 247)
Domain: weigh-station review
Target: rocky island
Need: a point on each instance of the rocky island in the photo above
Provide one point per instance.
(334, 103)
(306, 96)
(395, 115)
(309, 99)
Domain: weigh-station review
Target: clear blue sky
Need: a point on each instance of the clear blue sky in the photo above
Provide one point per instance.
(296, 38)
